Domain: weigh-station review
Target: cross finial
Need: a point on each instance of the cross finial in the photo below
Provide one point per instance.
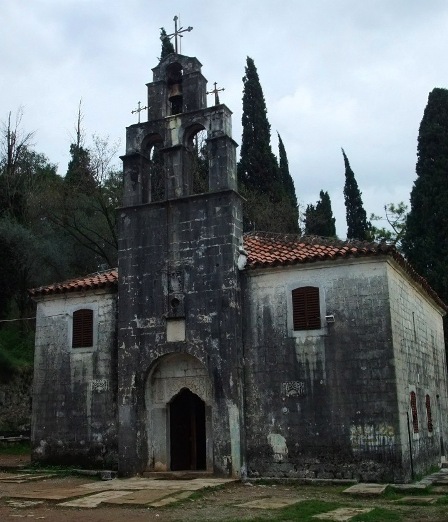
(177, 32)
(215, 92)
(138, 110)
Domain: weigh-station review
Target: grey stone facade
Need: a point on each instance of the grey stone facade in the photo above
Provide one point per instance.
(334, 402)
(74, 390)
(201, 367)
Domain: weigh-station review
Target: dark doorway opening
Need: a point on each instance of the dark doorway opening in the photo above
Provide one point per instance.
(187, 432)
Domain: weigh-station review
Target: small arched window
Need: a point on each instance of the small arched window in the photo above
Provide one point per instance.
(414, 412)
(82, 336)
(306, 308)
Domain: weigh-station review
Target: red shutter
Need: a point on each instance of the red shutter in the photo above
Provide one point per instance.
(414, 412)
(428, 413)
(306, 308)
(82, 328)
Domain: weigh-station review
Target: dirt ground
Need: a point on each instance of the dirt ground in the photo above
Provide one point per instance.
(221, 504)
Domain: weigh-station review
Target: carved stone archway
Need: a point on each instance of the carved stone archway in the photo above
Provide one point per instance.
(170, 375)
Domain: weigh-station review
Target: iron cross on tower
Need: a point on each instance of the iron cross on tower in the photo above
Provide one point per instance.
(177, 33)
(138, 110)
(215, 92)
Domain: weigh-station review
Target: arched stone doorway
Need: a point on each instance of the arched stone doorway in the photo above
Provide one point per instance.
(187, 432)
(179, 415)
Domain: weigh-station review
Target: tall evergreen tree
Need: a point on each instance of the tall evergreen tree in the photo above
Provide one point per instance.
(167, 45)
(268, 204)
(257, 168)
(319, 220)
(285, 176)
(357, 225)
(426, 239)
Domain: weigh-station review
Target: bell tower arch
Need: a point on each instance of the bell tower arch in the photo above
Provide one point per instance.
(179, 287)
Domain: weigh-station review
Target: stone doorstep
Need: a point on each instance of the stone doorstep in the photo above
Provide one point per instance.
(270, 503)
(342, 514)
(416, 500)
(366, 489)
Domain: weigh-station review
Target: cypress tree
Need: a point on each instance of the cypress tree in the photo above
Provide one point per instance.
(257, 168)
(268, 204)
(357, 225)
(426, 239)
(319, 220)
(167, 45)
(286, 178)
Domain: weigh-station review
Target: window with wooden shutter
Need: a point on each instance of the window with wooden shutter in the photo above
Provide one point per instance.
(306, 308)
(82, 328)
(414, 412)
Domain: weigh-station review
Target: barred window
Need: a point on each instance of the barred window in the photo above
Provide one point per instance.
(414, 412)
(428, 413)
(82, 328)
(306, 308)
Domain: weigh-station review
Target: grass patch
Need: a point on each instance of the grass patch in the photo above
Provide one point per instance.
(378, 515)
(303, 511)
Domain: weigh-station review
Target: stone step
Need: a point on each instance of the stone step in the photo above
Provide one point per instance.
(444, 464)
(177, 475)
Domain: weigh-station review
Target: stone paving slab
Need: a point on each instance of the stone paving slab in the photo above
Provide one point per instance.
(409, 487)
(24, 504)
(269, 503)
(440, 490)
(93, 501)
(139, 497)
(416, 500)
(20, 479)
(145, 483)
(51, 494)
(170, 500)
(342, 514)
(441, 481)
(366, 489)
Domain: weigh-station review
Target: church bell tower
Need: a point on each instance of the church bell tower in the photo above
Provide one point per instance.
(179, 327)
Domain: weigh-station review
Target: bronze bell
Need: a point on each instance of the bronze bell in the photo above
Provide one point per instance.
(175, 90)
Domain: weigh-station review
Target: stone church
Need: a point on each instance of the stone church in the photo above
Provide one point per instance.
(243, 355)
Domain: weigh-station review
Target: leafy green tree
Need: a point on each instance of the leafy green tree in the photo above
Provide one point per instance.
(319, 220)
(167, 45)
(426, 239)
(395, 215)
(357, 225)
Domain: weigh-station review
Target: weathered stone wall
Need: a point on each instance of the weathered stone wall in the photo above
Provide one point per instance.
(321, 403)
(15, 402)
(419, 351)
(185, 250)
(74, 393)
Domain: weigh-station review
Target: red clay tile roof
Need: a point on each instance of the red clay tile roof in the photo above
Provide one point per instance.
(269, 249)
(265, 250)
(89, 282)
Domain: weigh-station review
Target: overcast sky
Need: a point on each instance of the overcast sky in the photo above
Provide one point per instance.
(335, 73)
